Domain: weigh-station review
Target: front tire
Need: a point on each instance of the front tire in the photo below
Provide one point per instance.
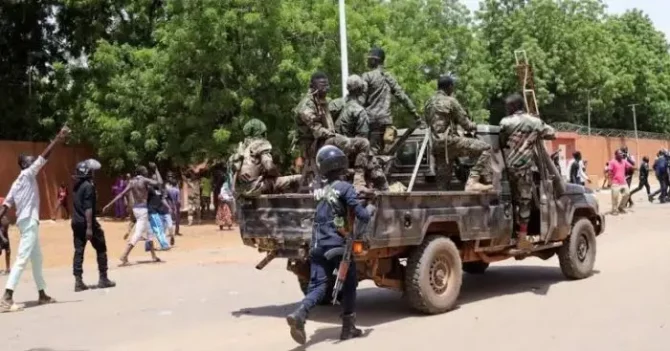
(577, 256)
(434, 276)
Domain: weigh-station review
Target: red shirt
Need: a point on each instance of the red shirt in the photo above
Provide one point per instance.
(617, 170)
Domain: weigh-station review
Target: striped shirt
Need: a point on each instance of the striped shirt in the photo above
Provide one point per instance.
(25, 194)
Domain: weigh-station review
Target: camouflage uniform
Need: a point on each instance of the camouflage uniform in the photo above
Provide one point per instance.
(442, 113)
(354, 123)
(518, 134)
(335, 108)
(377, 101)
(316, 128)
(253, 164)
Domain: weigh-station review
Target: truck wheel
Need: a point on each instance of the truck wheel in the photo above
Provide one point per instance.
(478, 267)
(434, 275)
(327, 299)
(578, 253)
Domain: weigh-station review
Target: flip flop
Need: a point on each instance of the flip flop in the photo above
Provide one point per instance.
(124, 264)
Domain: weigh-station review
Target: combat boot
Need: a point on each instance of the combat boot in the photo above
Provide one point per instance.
(475, 185)
(349, 329)
(104, 282)
(296, 321)
(79, 284)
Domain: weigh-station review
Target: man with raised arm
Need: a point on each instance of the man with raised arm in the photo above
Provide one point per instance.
(25, 196)
(139, 188)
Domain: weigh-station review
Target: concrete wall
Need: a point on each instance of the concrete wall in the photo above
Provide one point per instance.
(59, 169)
(598, 150)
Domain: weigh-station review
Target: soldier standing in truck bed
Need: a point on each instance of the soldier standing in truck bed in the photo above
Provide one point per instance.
(254, 170)
(316, 128)
(380, 86)
(518, 133)
(353, 122)
(443, 112)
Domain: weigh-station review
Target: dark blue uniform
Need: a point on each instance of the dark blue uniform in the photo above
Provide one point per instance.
(333, 200)
(661, 170)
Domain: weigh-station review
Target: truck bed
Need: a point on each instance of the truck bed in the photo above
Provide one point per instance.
(399, 219)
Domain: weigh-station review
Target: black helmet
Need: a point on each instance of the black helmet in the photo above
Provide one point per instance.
(330, 159)
(84, 169)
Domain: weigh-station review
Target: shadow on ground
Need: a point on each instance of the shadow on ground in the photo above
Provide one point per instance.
(32, 304)
(329, 334)
(377, 306)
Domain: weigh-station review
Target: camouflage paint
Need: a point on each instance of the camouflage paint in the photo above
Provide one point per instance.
(403, 219)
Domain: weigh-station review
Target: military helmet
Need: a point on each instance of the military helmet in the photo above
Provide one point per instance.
(331, 158)
(84, 169)
(355, 83)
(254, 128)
(377, 53)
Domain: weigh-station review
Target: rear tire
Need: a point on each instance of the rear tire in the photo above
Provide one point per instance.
(434, 276)
(478, 267)
(577, 256)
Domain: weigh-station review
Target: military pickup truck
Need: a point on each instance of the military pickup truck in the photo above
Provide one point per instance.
(421, 241)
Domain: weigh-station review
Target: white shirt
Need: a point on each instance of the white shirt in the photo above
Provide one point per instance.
(25, 194)
(581, 171)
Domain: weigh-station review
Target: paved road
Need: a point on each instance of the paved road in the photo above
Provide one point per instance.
(225, 304)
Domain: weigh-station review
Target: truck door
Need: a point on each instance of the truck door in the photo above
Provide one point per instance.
(546, 199)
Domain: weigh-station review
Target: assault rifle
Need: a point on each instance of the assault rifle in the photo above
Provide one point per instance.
(341, 272)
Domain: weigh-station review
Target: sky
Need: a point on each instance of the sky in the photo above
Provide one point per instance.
(656, 9)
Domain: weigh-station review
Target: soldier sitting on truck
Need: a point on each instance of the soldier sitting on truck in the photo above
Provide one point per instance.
(443, 112)
(254, 170)
(518, 134)
(332, 204)
(353, 122)
(316, 128)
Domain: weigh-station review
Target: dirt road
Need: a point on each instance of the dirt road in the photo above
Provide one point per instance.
(208, 296)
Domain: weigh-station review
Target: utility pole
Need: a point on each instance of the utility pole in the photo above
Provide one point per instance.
(343, 48)
(637, 141)
(588, 112)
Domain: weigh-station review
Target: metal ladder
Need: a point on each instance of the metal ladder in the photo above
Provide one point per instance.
(525, 73)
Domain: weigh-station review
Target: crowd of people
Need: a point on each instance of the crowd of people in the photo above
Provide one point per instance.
(618, 177)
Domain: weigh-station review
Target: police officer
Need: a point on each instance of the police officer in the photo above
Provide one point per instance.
(85, 226)
(333, 200)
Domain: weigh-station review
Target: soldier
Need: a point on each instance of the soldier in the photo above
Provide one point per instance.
(377, 101)
(254, 171)
(333, 201)
(443, 111)
(354, 123)
(316, 128)
(518, 133)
